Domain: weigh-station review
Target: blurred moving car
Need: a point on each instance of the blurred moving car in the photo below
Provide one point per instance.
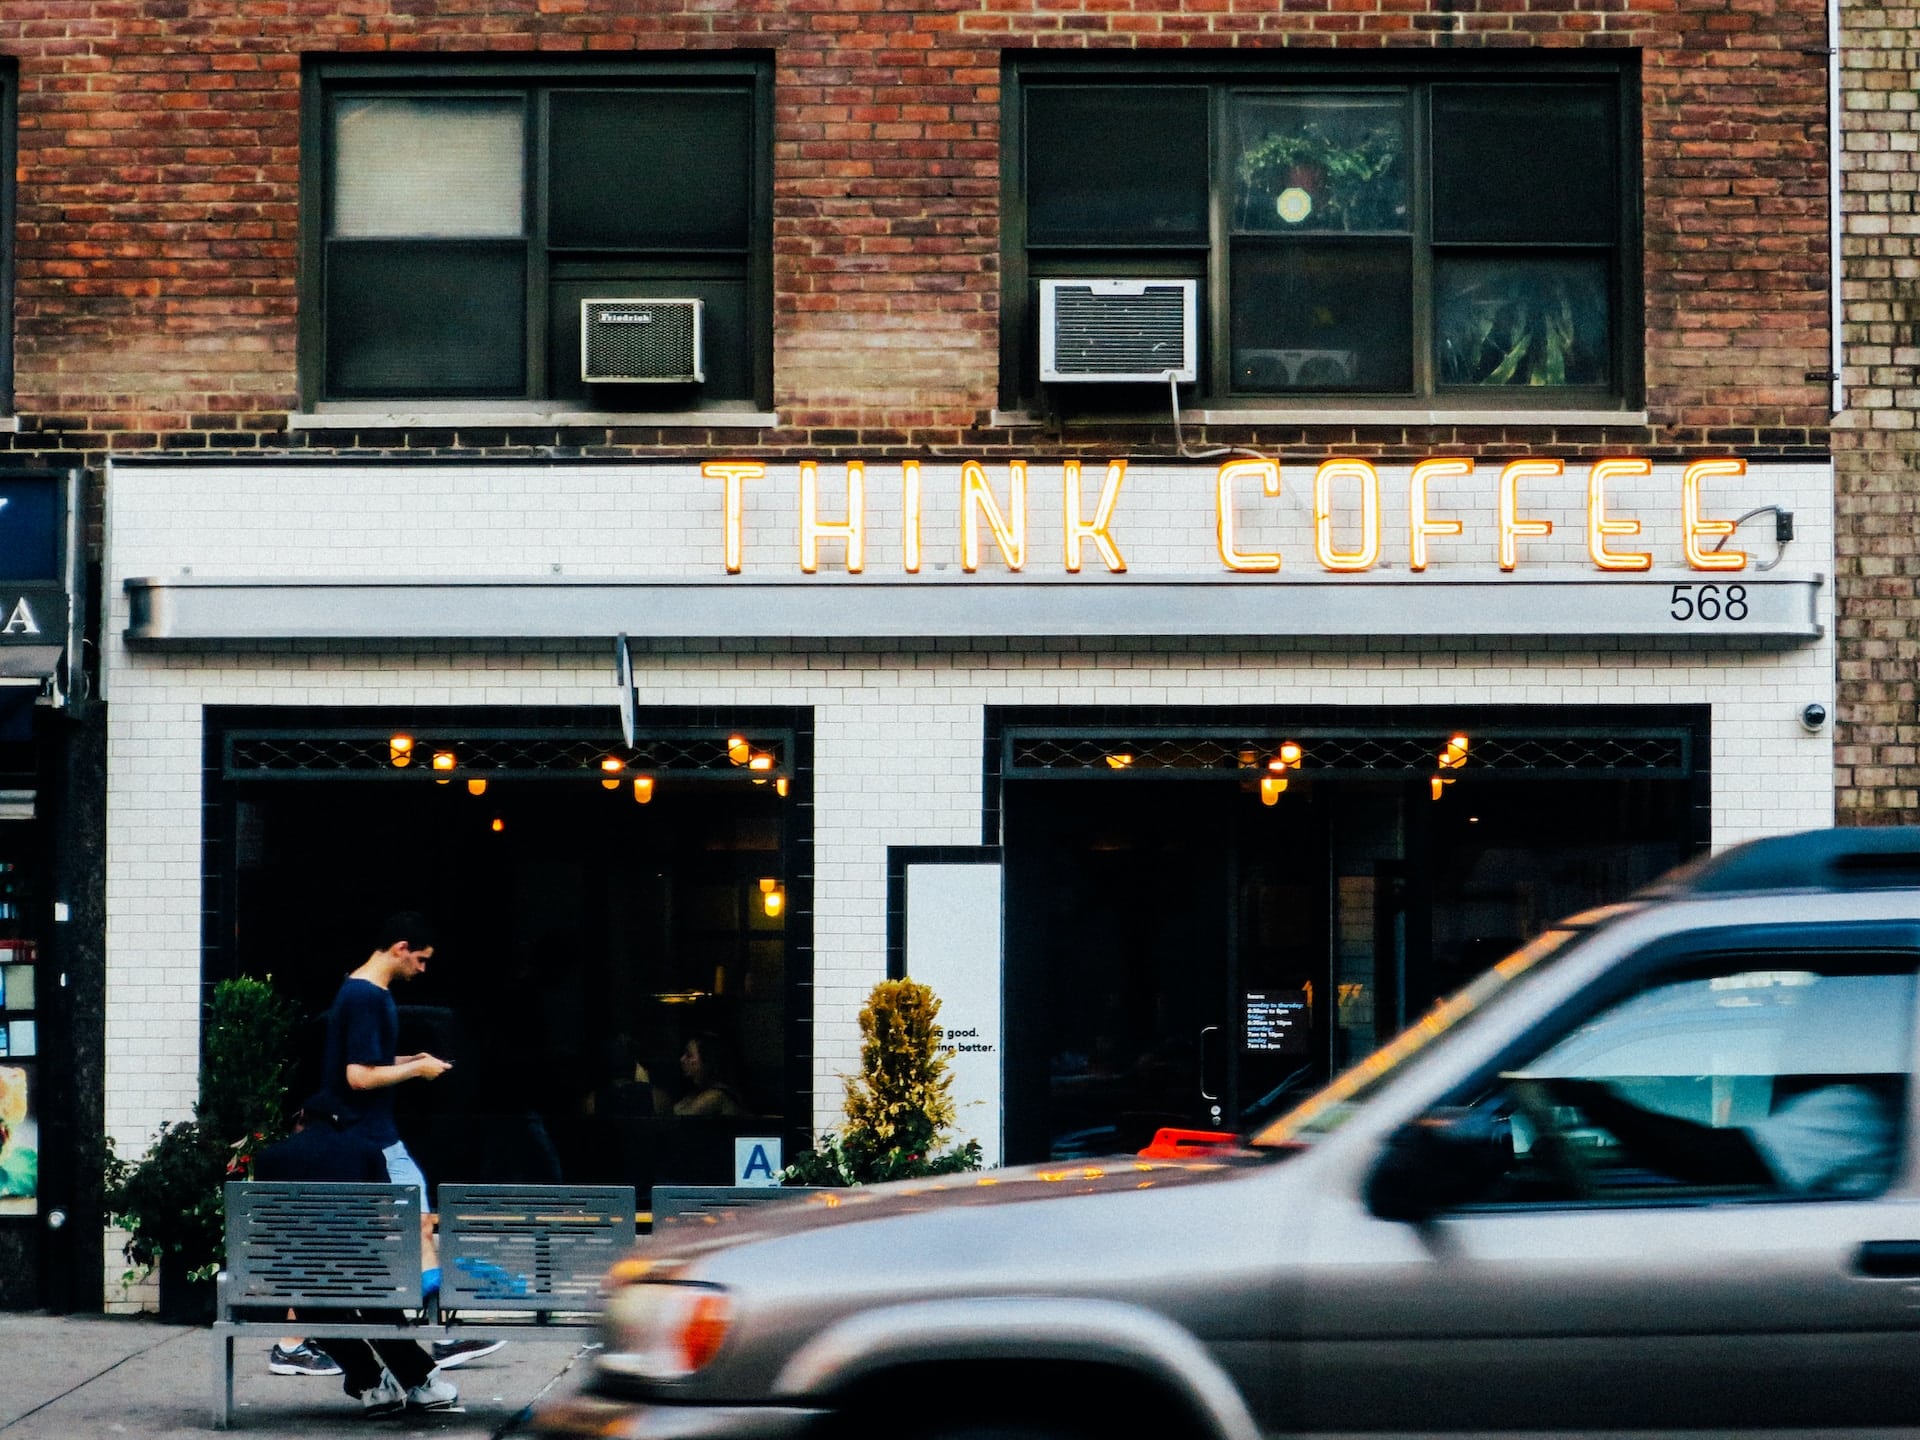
(1652, 1173)
(1176, 1142)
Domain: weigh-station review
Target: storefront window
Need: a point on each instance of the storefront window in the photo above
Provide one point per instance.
(614, 977)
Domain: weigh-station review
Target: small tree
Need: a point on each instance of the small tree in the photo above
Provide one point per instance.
(900, 1107)
(171, 1201)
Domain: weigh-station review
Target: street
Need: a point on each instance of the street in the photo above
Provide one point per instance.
(94, 1377)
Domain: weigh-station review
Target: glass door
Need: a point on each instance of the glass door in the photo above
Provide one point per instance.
(1167, 960)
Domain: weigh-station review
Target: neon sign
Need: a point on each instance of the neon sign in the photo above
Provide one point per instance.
(1346, 503)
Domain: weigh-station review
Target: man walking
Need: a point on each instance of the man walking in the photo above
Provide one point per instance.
(359, 1071)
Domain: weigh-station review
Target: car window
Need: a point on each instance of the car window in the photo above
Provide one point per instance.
(1742, 1079)
(1325, 1111)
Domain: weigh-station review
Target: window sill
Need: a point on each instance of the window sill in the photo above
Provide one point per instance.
(467, 417)
(1300, 415)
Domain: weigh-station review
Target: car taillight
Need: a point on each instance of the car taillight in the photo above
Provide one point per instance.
(657, 1331)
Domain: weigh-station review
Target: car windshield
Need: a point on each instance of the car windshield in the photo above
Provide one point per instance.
(1324, 1112)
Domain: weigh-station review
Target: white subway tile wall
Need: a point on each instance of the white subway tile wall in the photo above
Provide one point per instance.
(898, 727)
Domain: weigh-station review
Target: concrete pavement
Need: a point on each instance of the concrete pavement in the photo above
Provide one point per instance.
(106, 1377)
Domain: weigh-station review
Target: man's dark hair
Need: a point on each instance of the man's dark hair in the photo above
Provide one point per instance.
(408, 927)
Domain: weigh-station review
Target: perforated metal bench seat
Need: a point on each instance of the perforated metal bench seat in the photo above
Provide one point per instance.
(512, 1258)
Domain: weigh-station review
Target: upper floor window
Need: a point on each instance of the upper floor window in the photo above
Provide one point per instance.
(460, 218)
(1417, 232)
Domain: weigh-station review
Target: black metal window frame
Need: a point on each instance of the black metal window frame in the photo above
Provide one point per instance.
(1284, 75)
(1508, 745)
(604, 270)
(700, 753)
(598, 726)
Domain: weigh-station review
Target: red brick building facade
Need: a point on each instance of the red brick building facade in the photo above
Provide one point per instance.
(204, 243)
(159, 163)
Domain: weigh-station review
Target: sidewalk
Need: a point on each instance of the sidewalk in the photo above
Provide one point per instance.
(102, 1377)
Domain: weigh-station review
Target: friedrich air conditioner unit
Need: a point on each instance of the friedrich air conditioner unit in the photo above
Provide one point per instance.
(641, 342)
(1114, 331)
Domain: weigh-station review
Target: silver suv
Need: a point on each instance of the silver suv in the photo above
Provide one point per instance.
(1649, 1173)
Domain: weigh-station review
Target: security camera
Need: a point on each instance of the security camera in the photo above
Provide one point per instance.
(1814, 716)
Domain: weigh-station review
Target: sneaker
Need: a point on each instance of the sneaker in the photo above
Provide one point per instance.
(383, 1399)
(302, 1359)
(432, 1394)
(448, 1354)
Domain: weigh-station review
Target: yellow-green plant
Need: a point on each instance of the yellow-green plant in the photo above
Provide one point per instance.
(900, 1107)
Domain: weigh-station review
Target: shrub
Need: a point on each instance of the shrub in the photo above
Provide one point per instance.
(900, 1107)
(171, 1200)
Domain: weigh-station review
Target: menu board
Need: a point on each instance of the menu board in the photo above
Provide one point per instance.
(1278, 1021)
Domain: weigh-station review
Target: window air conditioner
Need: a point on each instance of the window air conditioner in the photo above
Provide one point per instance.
(641, 342)
(1119, 330)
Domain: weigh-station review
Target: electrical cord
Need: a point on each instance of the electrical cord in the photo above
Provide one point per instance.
(1781, 542)
(1212, 452)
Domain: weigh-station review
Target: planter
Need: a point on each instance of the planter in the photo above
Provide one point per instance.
(183, 1301)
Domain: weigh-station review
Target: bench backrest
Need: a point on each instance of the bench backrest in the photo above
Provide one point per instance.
(318, 1243)
(673, 1203)
(531, 1247)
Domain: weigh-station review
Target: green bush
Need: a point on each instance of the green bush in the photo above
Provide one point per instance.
(900, 1107)
(171, 1200)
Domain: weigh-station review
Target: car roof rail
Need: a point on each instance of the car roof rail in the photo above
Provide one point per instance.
(1845, 858)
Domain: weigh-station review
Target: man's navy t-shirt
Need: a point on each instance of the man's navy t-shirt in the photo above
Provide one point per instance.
(362, 1029)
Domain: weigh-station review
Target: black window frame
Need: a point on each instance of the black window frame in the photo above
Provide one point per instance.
(1226, 75)
(327, 79)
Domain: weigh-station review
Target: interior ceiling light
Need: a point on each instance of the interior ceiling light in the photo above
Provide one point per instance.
(1440, 783)
(780, 787)
(400, 751)
(442, 762)
(1271, 789)
(1120, 761)
(1290, 754)
(498, 825)
(1454, 753)
(738, 751)
(476, 786)
(643, 789)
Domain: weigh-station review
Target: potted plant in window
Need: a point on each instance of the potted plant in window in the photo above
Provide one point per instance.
(1323, 177)
(171, 1201)
(900, 1107)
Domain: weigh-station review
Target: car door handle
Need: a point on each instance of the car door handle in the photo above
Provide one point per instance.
(1889, 1259)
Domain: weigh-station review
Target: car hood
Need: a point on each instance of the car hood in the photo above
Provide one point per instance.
(687, 1239)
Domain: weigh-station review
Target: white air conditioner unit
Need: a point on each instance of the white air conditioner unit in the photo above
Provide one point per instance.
(1116, 331)
(641, 342)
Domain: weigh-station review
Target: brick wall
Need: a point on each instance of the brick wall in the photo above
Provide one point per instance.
(1876, 452)
(158, 168)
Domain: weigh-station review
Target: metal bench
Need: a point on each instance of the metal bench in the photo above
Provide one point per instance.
(518, 1257)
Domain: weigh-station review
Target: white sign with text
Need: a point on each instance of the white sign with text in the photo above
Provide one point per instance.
(953, 946)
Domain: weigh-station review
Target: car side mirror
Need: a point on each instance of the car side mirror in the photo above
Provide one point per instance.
(1447, 1157)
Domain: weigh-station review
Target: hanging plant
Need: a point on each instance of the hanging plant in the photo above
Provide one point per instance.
(1338, 182)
